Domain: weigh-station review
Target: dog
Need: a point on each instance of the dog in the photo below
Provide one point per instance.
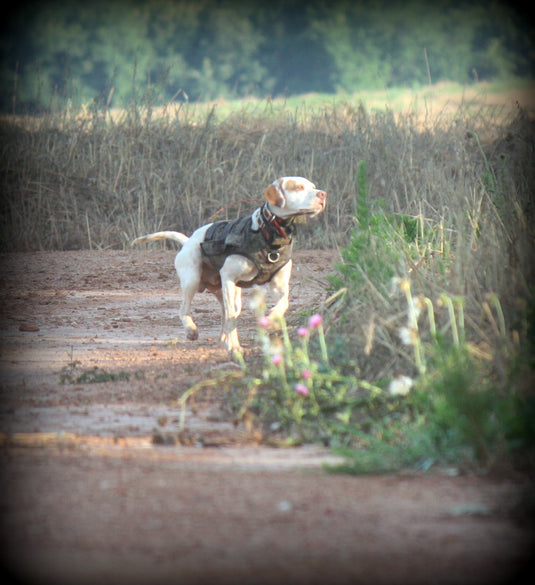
(256, 250)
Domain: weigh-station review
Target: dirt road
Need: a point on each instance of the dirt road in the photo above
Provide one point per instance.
(88, 496)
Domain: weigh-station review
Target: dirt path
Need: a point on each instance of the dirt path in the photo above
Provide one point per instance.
(87, 496)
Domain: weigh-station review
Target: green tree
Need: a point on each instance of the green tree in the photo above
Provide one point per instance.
(351, 36)
(113, 51)
(226, 60)
(292, 52)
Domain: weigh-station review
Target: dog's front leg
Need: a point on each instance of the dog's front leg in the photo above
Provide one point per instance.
(231, 307)
(232, 310)
(280, 285)
(236, 268)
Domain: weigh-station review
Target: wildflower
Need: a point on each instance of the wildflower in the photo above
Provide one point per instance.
(264, 322)
(415, 309)
(276, 359)
(399, 284)
(305, 374)
(408, 335)
(302, 332)
(315, 321)
(400, 386)
(301, 389)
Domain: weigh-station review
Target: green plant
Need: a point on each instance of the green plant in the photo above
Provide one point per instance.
(371, 256)
(462, 401)
(300, 393)
(71, 374)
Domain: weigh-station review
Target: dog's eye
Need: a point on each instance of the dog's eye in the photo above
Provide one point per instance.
(299, 187)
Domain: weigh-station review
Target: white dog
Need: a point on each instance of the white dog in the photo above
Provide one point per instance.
(226, 256)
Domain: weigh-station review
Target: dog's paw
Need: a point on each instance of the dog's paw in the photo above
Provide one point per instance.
(234, 350)
(192, 334)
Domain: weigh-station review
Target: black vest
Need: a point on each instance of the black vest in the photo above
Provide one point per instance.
(269, 248)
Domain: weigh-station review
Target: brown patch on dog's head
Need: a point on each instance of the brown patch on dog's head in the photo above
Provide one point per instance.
(274, 195)
(290, 185)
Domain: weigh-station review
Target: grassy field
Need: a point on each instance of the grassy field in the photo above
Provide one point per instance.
(98, 179)
(430, 203)
(441, 99)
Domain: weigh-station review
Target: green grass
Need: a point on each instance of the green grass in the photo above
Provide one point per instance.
(396, 99)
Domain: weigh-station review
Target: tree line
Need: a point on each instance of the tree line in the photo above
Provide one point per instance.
(111, 52)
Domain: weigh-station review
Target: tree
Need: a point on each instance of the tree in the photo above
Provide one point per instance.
(350, 38)
(111, 51)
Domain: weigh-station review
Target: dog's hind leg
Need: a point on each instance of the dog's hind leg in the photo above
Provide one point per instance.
(190, 277)
(219, 296)
(188, 290)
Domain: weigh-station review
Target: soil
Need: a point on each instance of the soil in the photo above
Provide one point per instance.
(98, 487)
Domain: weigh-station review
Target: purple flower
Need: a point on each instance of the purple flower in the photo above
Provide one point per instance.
(264, 322)
(276, 359)
(301, 389)
(315, 321)
(305, 374)
(302, 332)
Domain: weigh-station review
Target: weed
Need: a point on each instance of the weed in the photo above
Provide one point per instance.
(71, 374)
(298, 391)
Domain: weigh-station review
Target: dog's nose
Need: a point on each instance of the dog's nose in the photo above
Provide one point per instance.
(321, 195)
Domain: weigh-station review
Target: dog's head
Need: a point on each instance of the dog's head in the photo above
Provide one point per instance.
(293, 196)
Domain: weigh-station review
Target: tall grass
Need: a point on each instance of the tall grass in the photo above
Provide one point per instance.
(76, 180)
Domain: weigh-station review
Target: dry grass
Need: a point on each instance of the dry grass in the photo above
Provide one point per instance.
(89, 181)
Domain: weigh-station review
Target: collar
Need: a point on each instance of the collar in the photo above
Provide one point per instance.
(272, 226)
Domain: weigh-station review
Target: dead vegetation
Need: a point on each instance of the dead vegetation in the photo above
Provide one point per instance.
(75, 181)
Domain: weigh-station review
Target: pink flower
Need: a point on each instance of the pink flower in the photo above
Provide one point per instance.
(305, 374)
(276, 359)
(302, 332)
(301, 389)
(264, 322)
(315, 321)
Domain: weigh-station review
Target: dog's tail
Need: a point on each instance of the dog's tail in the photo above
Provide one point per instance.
(176, 236)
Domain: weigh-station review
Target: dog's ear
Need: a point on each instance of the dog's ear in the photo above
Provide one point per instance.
(274, 195)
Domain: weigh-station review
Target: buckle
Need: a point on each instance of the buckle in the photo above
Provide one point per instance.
(273, 257)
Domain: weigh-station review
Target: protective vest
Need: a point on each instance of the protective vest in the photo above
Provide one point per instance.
(269, 248)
